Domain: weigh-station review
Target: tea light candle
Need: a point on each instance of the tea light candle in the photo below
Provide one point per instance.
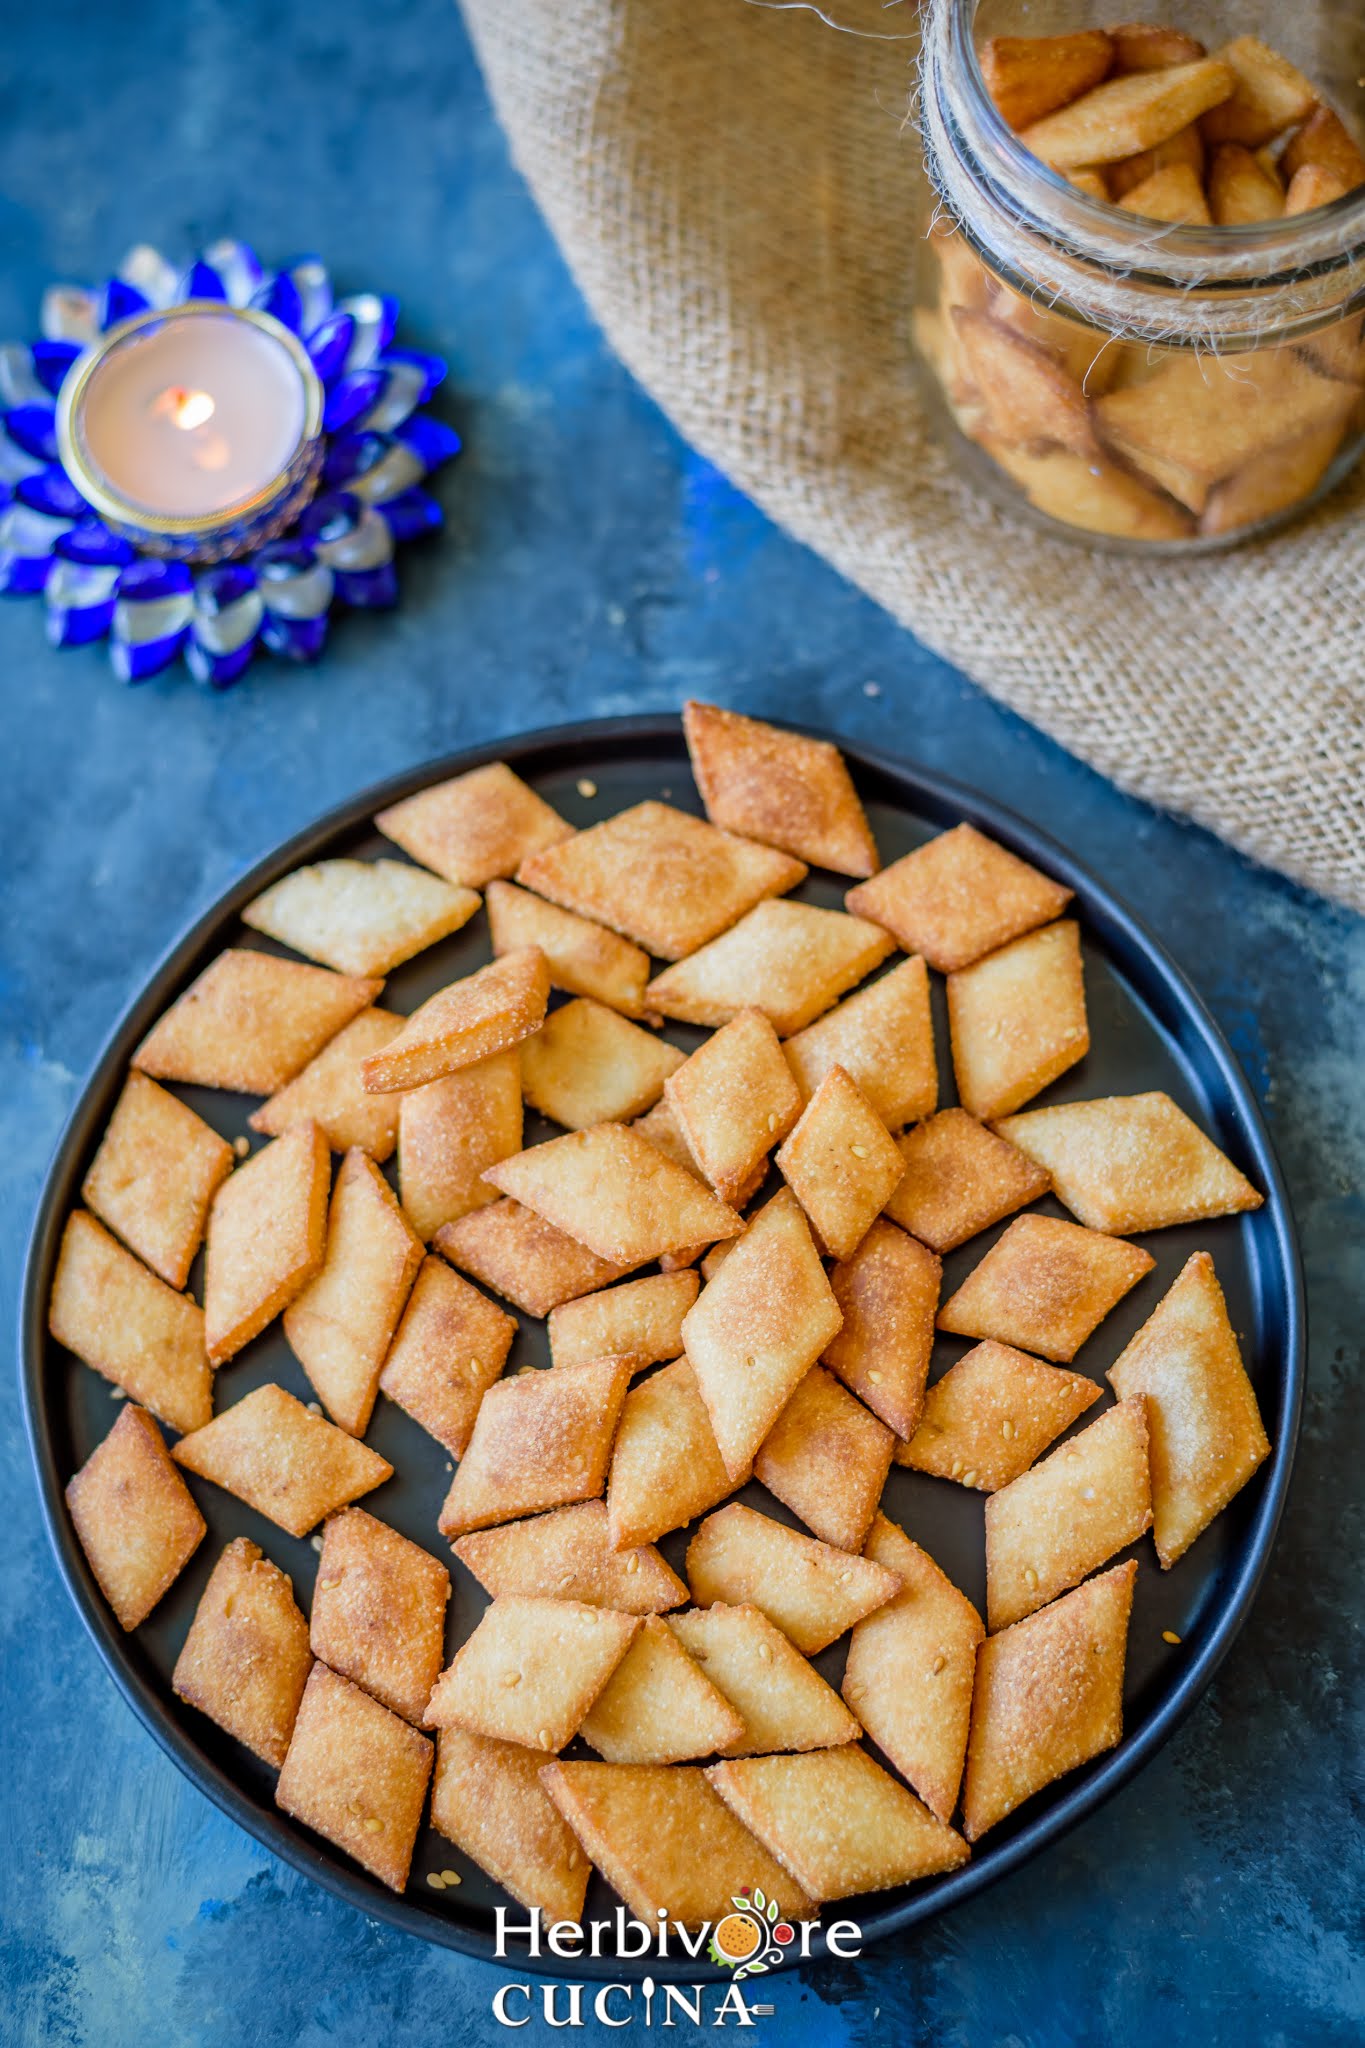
(194, 431)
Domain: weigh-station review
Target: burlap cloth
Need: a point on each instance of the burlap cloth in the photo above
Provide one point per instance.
(734, 189)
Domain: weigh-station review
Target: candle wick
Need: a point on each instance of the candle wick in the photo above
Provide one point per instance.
(184, 409)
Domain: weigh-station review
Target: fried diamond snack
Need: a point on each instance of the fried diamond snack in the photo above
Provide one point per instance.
(1048, 1697)
(789, 960)
(841, 1163)
(341, 1325)
(331, 1094)
(360, 916)
(136, 1520)
(449, 1132)
(614, 1192)
(757, 1329)
(837, 1820)
(1128, 1163)
(449, 1348)
(733, 1100)
(524, 1258)
(664, 879)
(587, 1065)
(826, 1458)
(531, 1670)
(585, 959)
(379, 1611)
(642, 1321)
(883, 1038)
(156, 1171)
(1207, 1437)
(541, 1440)
(569, 1555)
(489, 1010)
(474, 827)
(267, 1237)
(246, 1658)
(888, 1294)
(1018, 1019)
(357, 1775)
(292, 1467)
(658, 1706)
(958, 896)
(1268, 95)
(960, 1178)
(778, 787)
(251, 1022)
(125, 1323)
(812, 1591)
(666, 1467)
(1044, 1286)
(1127, 114)
(666, 1842)
(782, 1700)
(488, 1800)
(992, 1414)
(910, 1668)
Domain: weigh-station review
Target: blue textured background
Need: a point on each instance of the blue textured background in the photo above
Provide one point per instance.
(592, 565)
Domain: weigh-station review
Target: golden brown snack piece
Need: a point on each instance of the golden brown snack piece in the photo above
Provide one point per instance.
(449, 1132)
(826, 1458)
(757, 1328)
(780, 788)
(1130, 113)
(1093, 493)
(664, 879)
(992, 1414)
(134, 1515)
(1088, 354)
(1150, 46)
(1048, 1697)
(246, 1658)
(487, 1798)
(837, 1820)
(614, 1192)
(782, 1700)
(489, 1010)
(1027, 396)
(1030, 76)
(1268, 94)
(666, 1466)
(841, 1163)
(810, 1590)
(540, 1440)
(122, 1321)
(666, 1842)
(1044, 1286)
(1242, 189)
(888, 1294)
(1325, 140)
(960, 1178)
(1127, 1163)
(585, 959)
(330, 1093)
(1018, 1019)
(341, 1325)
(523, 1258)
(156, 1171)
(641, 1321)
(910, 1668)
(958, 896)
(1280, 476)
(449, 1348)
(883, 1037)
(475, 827)
(379, 1609)
(660, 1128)
(732, 1101)
(1172, 194)
(1186, 146)
(267, 1237)
(360, 916)
(658, 1706)
(569, 1555)
(357, 1775)
(1051, 1527)
(1207, 1437)
(290, 1466)
(1313, 186)
(251, 1022)
(789, 960)
(587, 1065)
(531, 1670)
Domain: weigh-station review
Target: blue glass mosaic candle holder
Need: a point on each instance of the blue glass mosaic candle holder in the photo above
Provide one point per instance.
(178, 519)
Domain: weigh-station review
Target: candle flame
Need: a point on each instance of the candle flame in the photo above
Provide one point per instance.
(184, 409)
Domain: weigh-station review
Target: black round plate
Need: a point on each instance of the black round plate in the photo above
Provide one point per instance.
(1149, 1030)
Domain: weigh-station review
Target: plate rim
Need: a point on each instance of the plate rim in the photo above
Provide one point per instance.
(1141, 955)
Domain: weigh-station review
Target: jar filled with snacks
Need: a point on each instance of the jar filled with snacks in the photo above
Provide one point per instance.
(1142, 278)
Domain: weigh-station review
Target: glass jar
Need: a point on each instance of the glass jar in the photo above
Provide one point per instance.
(1136, 384)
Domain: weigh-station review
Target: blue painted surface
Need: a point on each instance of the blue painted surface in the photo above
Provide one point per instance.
(593, 565)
